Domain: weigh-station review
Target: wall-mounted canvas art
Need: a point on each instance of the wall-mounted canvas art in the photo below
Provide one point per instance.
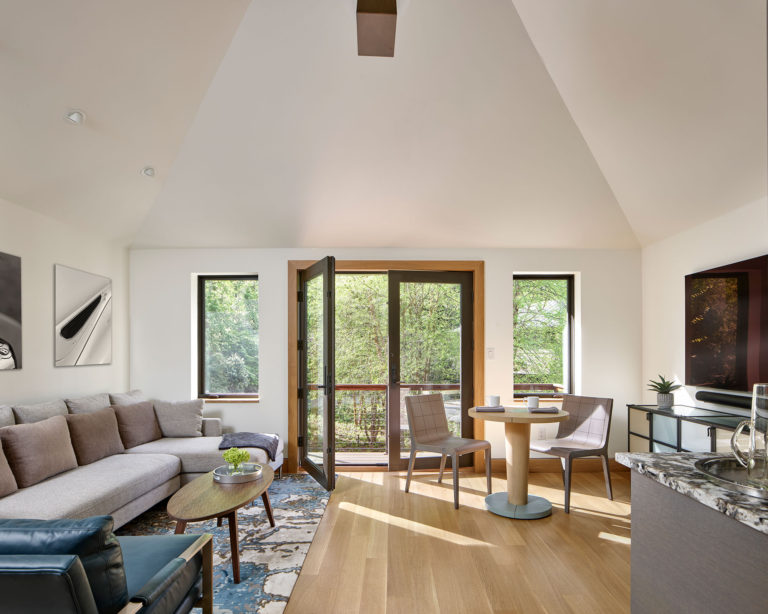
(83, 328)
(10, 312)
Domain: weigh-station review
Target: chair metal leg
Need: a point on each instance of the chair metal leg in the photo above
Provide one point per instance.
(562, 469)
(607, 472)
(488, 470)
(455, 467)
(442, 468)
(567, 478)
(410, 469)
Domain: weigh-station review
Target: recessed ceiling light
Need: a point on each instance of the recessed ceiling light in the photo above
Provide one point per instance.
(75, 116)
(148, 171)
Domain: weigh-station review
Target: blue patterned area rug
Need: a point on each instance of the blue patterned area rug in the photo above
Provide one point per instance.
(270, 558)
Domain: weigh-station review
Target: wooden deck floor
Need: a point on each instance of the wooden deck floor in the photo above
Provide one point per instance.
(381, 550)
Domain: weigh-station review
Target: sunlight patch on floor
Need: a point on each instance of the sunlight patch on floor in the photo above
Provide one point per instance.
(612, 537)
(410, 525)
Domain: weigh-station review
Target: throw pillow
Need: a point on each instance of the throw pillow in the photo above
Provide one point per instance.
(27, 414)
(94, 435)
(38, 451)
(180, 418)
(137, 424)
(86, 405)
(7, 481)
(6, 416)
(127, 398)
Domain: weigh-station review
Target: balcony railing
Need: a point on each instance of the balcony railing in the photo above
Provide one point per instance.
(361, 415)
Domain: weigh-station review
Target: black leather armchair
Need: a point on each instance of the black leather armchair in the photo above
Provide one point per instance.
(81, 567)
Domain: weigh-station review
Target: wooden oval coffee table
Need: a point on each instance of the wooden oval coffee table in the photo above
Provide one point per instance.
(204, 498)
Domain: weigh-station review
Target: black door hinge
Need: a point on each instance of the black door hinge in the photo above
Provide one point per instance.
(300, 393)
(301, 442)
(300, 345)
(300, 296)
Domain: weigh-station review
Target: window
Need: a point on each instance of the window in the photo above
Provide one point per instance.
(228, 336)
(543, 335)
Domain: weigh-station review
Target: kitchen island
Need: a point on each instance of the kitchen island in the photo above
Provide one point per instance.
(697, 546)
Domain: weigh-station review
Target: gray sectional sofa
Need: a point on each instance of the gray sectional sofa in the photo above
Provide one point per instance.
(123, 484)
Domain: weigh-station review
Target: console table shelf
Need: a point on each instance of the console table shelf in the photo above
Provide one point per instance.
(680, 429)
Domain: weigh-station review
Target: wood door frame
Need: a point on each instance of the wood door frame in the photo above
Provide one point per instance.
(476, 267)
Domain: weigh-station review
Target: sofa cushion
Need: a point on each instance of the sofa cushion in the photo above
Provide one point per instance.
(137, 423)
(6, 416)
(198, 454)
(7, 481)
(99, 488)
(127, 398)
(94, 435)
(91, 539)
(38, 451)
(26, 414)
(86, 405)
(180, 418)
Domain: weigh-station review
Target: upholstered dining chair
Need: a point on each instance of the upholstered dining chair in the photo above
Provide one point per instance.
(583, 434)
(429, 432)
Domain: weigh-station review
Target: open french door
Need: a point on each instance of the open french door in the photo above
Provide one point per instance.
(317, 423)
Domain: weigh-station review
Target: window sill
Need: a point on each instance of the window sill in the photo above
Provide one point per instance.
(230, 400)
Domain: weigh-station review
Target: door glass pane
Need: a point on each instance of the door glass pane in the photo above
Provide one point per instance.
(430, 350)
(315, 376)
(361, 368)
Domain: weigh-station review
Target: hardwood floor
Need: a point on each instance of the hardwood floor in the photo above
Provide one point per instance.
(381, 550)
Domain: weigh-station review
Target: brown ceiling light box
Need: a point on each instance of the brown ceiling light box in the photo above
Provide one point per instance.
(376, 21)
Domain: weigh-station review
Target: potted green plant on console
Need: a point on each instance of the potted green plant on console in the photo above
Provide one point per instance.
(664, 389)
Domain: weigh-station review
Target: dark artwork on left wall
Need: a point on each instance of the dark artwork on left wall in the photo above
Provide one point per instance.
(10, 312)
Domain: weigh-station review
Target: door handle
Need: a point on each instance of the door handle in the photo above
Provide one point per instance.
(395, 378)
(326, 385)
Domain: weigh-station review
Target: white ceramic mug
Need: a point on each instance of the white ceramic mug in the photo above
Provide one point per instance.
(532, 402)
(493, 400)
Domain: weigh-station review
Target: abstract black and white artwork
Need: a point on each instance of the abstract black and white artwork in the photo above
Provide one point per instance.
(10, 312)
(83, 326)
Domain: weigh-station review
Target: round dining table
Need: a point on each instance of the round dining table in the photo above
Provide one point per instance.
(516, 502)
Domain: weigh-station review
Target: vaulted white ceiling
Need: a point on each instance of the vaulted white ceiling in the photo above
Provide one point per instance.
(138, 68)
(566, 123)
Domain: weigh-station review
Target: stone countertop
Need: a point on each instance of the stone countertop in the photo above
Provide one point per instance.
(676, 471)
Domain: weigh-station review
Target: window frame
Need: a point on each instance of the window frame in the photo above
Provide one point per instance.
(570, 278)
(201, 393)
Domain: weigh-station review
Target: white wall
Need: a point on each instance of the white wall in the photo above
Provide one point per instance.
(738, 235)
(163, 355)
(42, 242)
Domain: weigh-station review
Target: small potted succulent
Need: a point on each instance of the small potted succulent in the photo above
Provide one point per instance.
(236, 457)
(663, 389)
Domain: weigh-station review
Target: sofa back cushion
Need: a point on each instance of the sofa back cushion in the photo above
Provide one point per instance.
(27, 414)
(94, 435)
(86, 405)
(6, 416)
(38, 451)
(180, 418)
(137, 424)
(7, 481)
(127, 398)
(91, 539)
